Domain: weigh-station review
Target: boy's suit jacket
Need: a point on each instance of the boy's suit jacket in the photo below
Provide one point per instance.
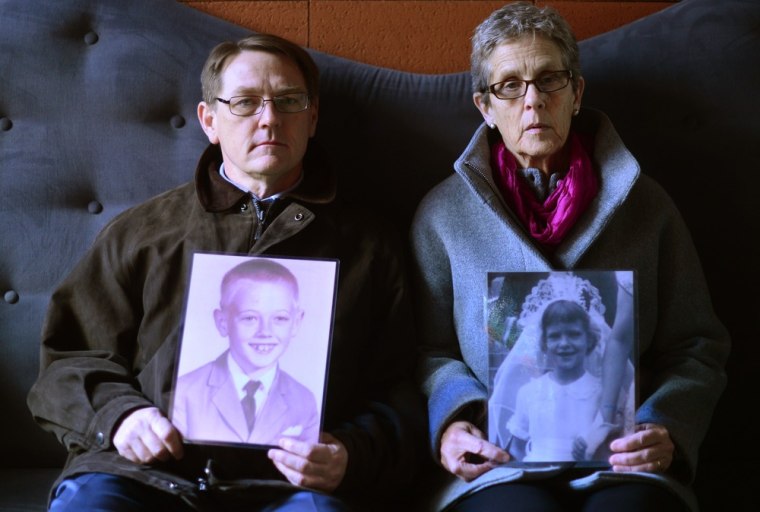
(206, 408)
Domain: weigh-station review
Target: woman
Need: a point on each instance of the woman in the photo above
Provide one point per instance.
(545, 185)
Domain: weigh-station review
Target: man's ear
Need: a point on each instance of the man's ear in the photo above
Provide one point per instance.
(314, 113)
(220, 320)
(207, 119)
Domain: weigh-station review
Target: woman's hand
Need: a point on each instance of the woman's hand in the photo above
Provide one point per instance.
(466, 453)
(316, 466)
(649, 449)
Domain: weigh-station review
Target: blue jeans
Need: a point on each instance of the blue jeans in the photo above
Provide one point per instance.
(101, 492)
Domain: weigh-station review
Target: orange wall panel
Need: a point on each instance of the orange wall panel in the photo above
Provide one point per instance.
(288, 19)
(421, 36)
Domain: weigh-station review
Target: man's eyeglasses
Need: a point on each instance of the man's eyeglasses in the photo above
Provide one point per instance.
(252, 105)
(548, 82)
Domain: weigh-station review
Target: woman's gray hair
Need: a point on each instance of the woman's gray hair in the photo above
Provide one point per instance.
(512, 22)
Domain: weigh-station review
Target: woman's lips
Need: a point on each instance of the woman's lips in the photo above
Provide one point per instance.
(538, 127)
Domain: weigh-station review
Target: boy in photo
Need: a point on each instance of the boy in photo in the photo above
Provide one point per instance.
(244, 396)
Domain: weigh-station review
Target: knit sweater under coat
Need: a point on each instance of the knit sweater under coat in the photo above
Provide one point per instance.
(462, 230)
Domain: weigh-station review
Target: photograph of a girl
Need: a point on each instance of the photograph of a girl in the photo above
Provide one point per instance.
(561, 358)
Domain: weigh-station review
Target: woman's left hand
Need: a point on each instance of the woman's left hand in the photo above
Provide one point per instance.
(648, 449)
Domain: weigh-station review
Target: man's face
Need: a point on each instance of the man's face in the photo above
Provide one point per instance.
(259, 319)
(567, 343)
(267, 147)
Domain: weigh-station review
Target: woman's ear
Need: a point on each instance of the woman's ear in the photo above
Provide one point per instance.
(481, 101)
(579, 94)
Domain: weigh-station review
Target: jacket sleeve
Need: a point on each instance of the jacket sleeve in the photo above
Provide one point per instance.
(382, 418)
(452, 390)
(682, 366)
(86, 381)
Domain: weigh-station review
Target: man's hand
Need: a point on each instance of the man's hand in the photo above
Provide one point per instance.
(146, 435)
(466, 453)
(316, 466)
(649, 449)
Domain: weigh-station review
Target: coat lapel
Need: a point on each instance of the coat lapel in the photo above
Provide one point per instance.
(224, 398)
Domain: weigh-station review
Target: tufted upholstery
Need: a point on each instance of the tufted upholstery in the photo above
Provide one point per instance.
(97, 113)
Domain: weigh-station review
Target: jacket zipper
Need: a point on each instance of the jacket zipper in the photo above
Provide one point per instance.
(261, 214)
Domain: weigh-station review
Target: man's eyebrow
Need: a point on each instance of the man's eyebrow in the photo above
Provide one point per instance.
(254, 91)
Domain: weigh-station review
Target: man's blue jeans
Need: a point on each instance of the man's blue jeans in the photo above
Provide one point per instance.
(101, 492)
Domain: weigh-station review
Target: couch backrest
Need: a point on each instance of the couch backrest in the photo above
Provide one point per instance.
(97, 113)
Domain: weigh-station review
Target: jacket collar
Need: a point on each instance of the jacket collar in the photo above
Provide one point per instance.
(618, 171)
(319, 184)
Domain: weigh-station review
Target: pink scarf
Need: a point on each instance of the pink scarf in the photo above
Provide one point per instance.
(550, 221)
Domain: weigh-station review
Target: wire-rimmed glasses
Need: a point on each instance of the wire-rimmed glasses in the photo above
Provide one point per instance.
(250, 105)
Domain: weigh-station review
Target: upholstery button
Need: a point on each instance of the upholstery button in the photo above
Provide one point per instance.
(100, 438)
(299, 216)
(91, 38)
(177, 121)
(5, 124)
(11, 297)
(94, 207)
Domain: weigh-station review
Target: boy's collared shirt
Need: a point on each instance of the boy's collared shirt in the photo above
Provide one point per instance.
(240, 379)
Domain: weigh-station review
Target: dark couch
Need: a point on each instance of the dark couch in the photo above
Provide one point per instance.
(97, 113)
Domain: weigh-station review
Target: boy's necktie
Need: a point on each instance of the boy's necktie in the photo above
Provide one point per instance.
(249, 403)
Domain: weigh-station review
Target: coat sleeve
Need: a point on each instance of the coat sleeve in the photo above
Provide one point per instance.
(86, 381)
(452, 390)
(374, 407)
(682, 363)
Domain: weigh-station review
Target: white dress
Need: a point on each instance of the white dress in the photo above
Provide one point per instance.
(550, 416)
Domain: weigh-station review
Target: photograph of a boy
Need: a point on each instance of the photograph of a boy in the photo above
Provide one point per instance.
(555, 411)
(244, 396)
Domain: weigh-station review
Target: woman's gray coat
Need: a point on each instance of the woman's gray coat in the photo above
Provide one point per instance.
(463, 230)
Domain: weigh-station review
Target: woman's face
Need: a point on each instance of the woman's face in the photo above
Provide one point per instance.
(534, 127)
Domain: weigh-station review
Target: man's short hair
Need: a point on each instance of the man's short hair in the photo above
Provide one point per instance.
(211, 76)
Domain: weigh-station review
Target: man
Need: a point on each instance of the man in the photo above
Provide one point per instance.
(243, 396)
(110, 338)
